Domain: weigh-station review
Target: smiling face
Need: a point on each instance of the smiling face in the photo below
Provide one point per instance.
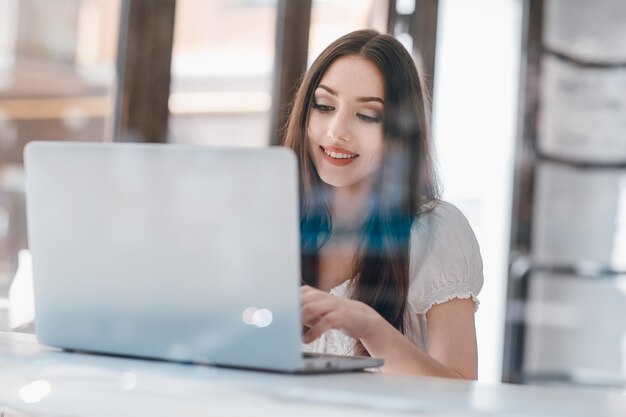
(345, 129)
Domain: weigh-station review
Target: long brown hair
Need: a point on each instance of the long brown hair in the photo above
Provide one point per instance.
(404, 183)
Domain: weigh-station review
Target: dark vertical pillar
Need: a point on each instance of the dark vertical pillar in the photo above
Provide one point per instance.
(392, 16)
(423, 30)
(144, 61)
(421, 26)
(293, 20)
(523, 188)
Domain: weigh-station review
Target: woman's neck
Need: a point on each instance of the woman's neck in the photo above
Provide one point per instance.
(349, 206)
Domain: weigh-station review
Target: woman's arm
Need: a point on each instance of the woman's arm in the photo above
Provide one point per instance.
(451, 334)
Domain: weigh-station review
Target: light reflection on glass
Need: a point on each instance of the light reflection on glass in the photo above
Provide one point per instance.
(35, 391)
(74, 118)
(262, 318)
(247, 315)
(257, 317)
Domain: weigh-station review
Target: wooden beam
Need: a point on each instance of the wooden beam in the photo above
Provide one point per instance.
(392, 16)
(423, 30)
(421, 25)
(523, 188)
(144, 61)
(293, 20)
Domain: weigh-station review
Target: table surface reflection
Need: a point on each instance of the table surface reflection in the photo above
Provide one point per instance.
(38, 380)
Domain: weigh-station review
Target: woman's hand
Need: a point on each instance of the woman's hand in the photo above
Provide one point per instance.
(322, 311)
(451, 336)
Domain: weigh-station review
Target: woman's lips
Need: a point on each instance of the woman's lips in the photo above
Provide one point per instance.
(338, 156)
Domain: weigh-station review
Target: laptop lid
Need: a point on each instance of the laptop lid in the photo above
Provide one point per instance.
(172, 252)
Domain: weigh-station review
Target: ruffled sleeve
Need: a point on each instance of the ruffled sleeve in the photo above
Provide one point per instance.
(445, 259)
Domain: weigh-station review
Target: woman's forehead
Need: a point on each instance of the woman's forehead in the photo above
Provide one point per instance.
(354, 76)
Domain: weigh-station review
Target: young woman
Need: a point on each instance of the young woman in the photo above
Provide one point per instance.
(389, 270)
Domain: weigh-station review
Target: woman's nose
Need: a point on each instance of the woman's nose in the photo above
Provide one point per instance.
(339, 127)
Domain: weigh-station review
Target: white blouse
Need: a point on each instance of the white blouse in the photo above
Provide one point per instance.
(445, 263)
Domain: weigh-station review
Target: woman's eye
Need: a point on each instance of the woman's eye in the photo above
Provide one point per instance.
(368, 119)
(322, 107)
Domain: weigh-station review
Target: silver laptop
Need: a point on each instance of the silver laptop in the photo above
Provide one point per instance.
(171, 252)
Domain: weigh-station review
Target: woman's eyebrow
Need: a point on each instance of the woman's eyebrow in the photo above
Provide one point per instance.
(328, 89)
(360, 99)
(366, 99)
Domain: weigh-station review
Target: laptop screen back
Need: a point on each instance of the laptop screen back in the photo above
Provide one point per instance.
(164, 251)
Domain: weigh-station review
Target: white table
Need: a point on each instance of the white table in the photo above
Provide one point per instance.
(37, 380)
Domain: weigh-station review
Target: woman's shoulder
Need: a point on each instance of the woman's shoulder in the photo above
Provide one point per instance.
(440, 214)
(441, 230)
(445, 257)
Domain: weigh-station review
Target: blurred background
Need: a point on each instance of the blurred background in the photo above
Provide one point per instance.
(529, 117)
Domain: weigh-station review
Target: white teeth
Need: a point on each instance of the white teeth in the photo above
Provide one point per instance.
(338, 155)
